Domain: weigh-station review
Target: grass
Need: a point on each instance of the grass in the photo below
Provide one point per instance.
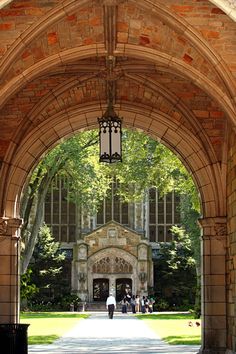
(174, 328)
(46, 327)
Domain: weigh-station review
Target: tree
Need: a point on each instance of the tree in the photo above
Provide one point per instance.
(189, 220)
(27, 289)
(146, 163)
(75, 157)
(46, 264)
(175, 270)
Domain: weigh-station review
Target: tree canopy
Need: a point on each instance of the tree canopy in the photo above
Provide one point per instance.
(146, 163)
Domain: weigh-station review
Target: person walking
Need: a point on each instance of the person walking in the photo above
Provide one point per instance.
(111, 305)
(132, 302)
(124, 305)
(137, 303)
(143, 309)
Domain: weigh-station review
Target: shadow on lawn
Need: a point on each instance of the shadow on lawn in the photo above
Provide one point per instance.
(51, 315)
(180, 340)
(164, 316)
(47, 339)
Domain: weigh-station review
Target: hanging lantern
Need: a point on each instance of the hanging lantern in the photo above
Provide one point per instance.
(110, 136)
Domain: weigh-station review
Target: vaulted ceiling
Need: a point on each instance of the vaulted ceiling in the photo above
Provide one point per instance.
(172, 65)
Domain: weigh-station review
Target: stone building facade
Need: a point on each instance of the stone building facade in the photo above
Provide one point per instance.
(174, 67)
(136, 224)
(111, 259)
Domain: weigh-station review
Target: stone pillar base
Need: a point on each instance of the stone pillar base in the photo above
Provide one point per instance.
(214, 351)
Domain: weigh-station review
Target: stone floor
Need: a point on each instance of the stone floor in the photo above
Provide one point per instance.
(98, 334)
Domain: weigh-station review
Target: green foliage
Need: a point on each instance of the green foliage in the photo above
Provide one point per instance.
(68, 300)
(46, 272)
(77, 157)
(175, 271)
(46, 265)
(27, 289)
(161, 305)
(189, 217)
(147, 163)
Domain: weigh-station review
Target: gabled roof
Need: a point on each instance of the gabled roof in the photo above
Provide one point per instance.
(115, 223)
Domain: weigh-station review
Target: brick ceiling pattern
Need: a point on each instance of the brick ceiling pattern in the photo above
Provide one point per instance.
(175, 60)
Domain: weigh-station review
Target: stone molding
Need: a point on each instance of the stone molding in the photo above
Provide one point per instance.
(111, 2)
(9, 227)
(3, 227)
(221, 229)
(232, 3)
(214, 229)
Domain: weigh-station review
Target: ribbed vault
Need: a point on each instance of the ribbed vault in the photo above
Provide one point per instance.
(53, 77)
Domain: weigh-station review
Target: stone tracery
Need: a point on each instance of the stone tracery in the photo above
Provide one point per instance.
(112, 265)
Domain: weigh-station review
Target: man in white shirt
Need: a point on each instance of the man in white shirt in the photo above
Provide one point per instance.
(111, 305)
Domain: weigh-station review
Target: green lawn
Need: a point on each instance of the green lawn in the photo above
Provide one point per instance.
(46, 327)
(174, 328)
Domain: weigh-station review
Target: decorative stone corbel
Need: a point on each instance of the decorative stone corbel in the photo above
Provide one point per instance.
(10, 226)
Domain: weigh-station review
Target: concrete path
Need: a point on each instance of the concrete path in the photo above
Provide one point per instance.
(98, 334)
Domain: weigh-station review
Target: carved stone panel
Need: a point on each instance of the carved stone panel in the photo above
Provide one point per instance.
(112, 265)
(142, 252)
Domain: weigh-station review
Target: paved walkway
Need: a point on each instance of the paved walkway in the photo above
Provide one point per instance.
(122, 334)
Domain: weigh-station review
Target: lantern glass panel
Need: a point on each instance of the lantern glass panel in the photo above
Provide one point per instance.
(104, 142)
(110, 138)
(115, 141)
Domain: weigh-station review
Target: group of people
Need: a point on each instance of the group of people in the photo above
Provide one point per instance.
(137, 304)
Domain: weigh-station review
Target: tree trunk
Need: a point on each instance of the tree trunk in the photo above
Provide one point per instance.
(197, 306)
(38, 218)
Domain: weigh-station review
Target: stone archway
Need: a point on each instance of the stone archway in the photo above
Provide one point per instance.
(180, 91)
(120, 262)
(204, 174)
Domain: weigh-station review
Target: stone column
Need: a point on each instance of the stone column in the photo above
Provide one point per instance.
(9, 269)
(138, 209)
(213, 251)
(79, 270)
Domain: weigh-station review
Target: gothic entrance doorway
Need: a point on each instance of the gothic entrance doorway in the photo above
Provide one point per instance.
(123, 287)
(100, 289)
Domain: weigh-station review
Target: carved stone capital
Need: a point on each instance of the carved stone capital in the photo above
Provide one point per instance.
(212, 222)
(9, 226)
(221, 229)
(3, 226)
(213, 227)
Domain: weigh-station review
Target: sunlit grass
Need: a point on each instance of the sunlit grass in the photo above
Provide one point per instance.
(46, 327)
(174, 328)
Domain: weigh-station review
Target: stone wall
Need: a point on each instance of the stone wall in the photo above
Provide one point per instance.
(231, 242)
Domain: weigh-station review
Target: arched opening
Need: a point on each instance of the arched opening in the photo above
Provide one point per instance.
(181, 92)
(162, 128)
(100, 289)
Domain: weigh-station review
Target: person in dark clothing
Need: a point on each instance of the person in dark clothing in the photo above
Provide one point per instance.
(124, 305)
(111, 305)
(132, 302)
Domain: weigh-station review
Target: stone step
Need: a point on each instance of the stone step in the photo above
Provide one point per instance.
(99, 306)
